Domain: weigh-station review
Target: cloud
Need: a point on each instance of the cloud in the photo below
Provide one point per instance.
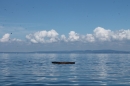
(43, 36)
(102, 34)
(90, 38)
(101, 38)
(99, 35)
(63, 38)
(6, 38)
(121, 35)
(51, 36)
(73, 36)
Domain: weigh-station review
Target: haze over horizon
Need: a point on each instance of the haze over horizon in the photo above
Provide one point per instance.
(64, 25)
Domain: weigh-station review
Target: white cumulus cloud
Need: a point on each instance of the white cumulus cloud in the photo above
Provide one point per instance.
(99, 35)
(43, 36)
(102, 34)
(121, 35)
(73, 36)
(5, 38)
(90, 38)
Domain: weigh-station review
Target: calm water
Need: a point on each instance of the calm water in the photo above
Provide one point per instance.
(90, 69)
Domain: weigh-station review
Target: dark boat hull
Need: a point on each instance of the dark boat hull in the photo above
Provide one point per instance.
(63, 62)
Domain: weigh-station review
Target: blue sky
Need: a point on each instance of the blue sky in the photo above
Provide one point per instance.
(66, 20)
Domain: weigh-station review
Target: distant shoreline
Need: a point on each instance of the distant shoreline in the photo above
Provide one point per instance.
(78, 52)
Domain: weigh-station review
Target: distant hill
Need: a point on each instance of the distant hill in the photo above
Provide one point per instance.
(77, 51)
(85, 51)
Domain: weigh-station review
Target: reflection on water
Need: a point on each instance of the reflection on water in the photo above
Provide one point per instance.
(102, 68)
(89, 69)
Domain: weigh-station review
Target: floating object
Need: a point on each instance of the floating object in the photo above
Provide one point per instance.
(63, 62)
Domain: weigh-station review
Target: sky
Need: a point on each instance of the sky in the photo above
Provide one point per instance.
(43, 25)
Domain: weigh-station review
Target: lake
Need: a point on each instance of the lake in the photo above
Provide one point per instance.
(36, 69)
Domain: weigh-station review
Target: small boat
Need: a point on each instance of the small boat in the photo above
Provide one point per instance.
(63, 62)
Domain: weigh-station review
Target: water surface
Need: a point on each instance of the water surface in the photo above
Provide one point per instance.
(36, 69)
